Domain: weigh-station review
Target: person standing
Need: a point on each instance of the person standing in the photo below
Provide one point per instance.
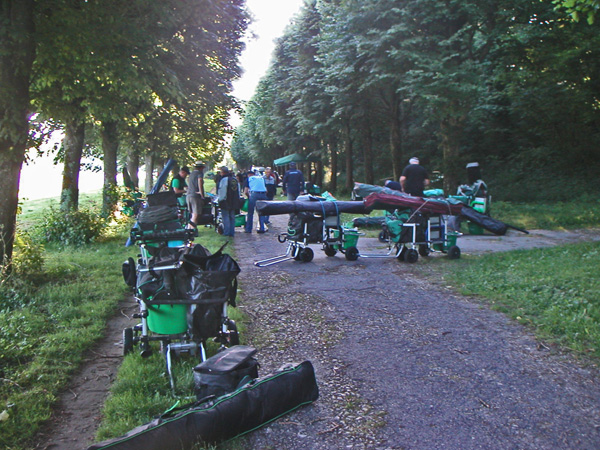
(414, 178)
(293, 182)
(195, 193)
(255, 190)
(179, 186)
(271, 184)
(229, 198)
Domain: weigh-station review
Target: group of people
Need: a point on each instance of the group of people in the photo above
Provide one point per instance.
(230, 188)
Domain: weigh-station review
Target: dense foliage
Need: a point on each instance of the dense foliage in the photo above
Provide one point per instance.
(512, 84)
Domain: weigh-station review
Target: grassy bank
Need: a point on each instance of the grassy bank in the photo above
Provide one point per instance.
(46, 331)
(556, 291)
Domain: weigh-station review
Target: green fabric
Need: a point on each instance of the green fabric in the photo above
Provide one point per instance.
(294, 157)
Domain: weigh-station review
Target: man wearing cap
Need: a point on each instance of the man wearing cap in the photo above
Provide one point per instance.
(293, 182)
(414, 178)
(255, 190)
(228, 196)
(195, 193)
(178, 184)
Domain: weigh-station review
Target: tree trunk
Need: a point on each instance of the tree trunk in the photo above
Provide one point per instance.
(133, 167)
(149, 167)
(450, 133)
(319, 180)
(17, 52)
(368, 156)
(110, 147)
(395, 137)
(334, 166)
(73, 150)
(349, 157)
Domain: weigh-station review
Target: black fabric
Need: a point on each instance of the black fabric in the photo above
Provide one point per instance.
(253, 405)
(493, 225)
(328, 208)
(415, 179)
(232, 200)
(421, 229)
(223, 372)
(368, 221)
(166, 198)
(156, 214)
(314, 228)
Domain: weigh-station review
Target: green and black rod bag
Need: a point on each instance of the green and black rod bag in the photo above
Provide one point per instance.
(257, 403)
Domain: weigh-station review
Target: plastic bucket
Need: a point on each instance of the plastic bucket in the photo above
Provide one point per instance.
(240, 220)
(474, 228)
(167, 319)
(350, 239)
(451, 239)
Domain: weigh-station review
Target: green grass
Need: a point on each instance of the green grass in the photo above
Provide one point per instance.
(553, 290)
(43, 341)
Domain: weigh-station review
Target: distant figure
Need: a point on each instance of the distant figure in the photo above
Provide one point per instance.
(255, 190)
(391, 184)
(271, 185)
(229, 199)
(195, 193)
(414, 178)
(293, 183)
(179, 186)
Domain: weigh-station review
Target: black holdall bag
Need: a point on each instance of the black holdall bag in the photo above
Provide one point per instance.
(223, 372)
(251, 406)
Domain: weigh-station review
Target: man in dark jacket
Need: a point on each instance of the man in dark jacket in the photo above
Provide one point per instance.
(414, 178)
(293, 182)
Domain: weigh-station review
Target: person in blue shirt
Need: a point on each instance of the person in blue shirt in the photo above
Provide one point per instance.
(255, 190)
(293, 182)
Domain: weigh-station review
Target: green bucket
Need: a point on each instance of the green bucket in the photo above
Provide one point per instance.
(350, 239)
(451, 239)
(474, 228)
(240, 220)
(167, 319)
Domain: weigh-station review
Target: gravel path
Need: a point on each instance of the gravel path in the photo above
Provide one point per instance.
(406, 364)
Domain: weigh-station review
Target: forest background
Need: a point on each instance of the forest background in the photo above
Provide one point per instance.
(359, 85)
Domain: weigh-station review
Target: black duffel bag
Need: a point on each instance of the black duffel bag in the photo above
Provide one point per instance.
(224, 372)
(253, 405)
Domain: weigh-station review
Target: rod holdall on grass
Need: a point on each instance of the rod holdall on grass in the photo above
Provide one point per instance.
(224, 372)
(255, 404)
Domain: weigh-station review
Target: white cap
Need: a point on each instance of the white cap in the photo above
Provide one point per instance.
(414, 160)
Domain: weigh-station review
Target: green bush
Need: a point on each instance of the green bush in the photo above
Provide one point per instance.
(72, 228)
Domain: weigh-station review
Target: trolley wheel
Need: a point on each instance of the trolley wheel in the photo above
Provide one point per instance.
(383, 236)
(351, 253)
(424, 250)
(307, 255)
(127, 340)
(401, 256)
(233, 337)
(412, 256)
(220, 228)
(298, 256)
(329, 250)
(454, 252)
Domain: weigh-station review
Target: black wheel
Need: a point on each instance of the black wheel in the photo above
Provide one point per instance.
(329, 250)
(351, 253)
(412, 256)
(383, 236)
(220, 228)
(307, 255)
(127, 340)
(401, 256)
(129, 274)
(298, 255)
(424, 250)
(454, 252)
(233, 337)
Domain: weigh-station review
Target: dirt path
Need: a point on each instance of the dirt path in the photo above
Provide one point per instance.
(402, 364)
(78, 413)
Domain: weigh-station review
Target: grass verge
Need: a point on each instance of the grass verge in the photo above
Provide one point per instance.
(43, 341)
(553, 290)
